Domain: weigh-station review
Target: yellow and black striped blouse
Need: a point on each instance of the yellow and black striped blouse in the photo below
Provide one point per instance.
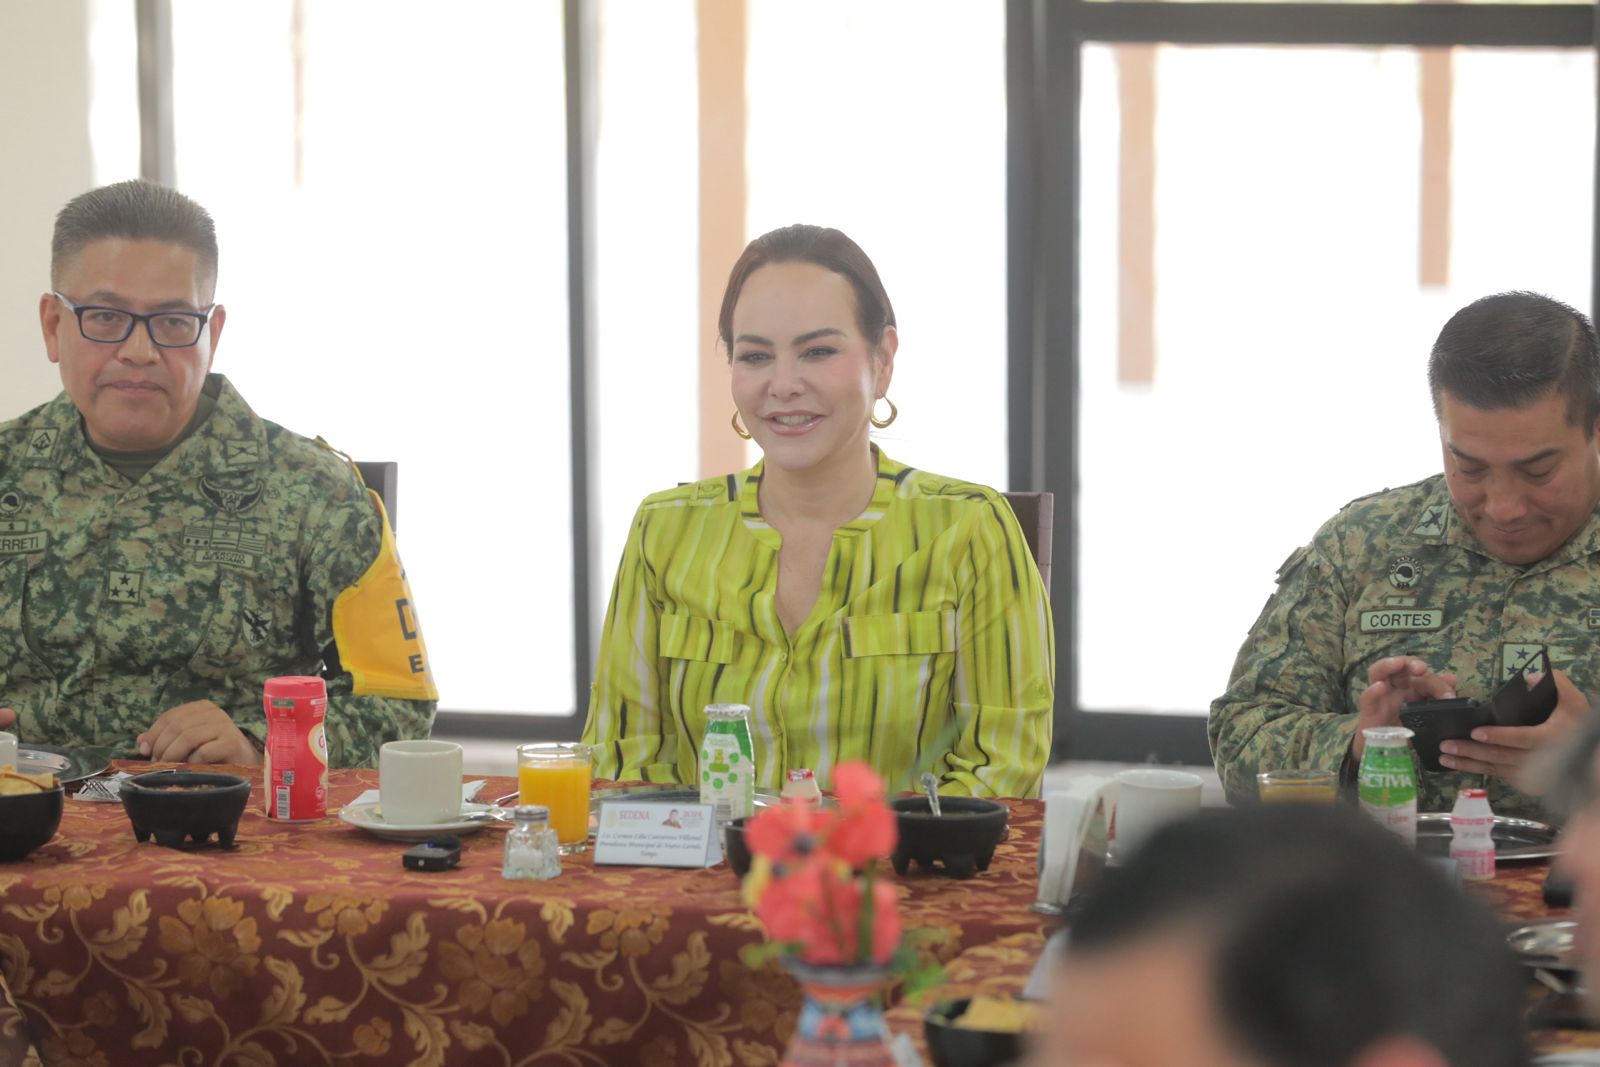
(930, 647)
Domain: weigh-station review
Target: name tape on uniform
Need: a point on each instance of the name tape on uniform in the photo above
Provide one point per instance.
(1393, 619)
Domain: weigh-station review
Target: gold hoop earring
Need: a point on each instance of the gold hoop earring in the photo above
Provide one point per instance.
(738, 428)
(894, 413)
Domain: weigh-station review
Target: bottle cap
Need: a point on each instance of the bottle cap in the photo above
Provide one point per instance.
(295, 687)
(1387, 735)
(726, 712)
(1475, 794)
(800, 774)
(525, 812)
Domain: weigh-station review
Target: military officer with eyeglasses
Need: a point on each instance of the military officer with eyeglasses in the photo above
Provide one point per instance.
(163, 549)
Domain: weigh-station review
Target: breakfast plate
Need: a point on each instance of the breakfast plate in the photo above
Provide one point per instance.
(68, 765)
(1550, 944)
(368, 817)
(1514, 839)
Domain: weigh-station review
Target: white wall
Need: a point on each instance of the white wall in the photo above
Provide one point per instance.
(45, 160)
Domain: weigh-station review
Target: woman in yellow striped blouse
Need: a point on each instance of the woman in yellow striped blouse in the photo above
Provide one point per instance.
(863, 609)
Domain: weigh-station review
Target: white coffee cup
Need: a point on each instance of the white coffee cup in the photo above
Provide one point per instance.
(419, 782)
(1147, 799)
(8, 748)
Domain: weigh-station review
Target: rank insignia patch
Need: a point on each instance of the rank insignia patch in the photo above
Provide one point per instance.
(1518, 658)
(1594, 618)
(123, 587)
(10, 502)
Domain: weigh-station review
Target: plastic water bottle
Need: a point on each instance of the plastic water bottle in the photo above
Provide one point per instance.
(1472, 835)
(1388, 781)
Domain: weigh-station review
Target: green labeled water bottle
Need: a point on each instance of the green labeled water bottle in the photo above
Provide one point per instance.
(1388, 781)
(728, 762)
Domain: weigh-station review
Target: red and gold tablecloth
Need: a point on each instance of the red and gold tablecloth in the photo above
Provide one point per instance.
(310, 943)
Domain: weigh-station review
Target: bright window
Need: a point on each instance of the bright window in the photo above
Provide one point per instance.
(1291, 333)
(389, 182)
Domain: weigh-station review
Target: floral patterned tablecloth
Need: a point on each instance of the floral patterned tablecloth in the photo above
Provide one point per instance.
(310, 943)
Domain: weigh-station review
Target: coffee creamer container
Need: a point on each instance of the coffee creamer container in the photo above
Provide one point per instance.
(295, 771)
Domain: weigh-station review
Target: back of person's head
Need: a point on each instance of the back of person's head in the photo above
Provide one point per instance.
(825, 247)
(135, 210)
(1324, 936)
(1511, 349)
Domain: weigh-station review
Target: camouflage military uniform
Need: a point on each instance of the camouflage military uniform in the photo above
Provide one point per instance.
(1398, 573)
(219, 568)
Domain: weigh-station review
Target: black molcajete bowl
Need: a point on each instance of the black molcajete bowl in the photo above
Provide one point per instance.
(178, 805)
(734, 844)
(28, 820)
(950, 1045)
(962, 840)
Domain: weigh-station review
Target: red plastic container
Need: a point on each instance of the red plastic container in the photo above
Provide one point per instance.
(296, 770)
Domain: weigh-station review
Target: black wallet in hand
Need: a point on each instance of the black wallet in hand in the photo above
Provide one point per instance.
(1513, 704)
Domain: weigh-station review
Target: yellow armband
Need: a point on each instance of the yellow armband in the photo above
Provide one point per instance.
(375, 628)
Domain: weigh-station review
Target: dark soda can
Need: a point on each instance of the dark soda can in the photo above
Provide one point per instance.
(296, 759)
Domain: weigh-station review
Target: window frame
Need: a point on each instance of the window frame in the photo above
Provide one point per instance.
(1045, 40)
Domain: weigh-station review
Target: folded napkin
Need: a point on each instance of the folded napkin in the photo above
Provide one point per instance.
(1077, 827)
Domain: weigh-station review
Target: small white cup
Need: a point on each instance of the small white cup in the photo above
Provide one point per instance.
(8, 748)
(1147, 799)
(419, 782)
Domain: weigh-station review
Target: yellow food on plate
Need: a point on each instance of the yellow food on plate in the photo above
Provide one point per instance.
(15, 783)
(1004, 1015)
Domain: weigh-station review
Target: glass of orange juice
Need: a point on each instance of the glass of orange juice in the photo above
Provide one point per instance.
(1298, 787)
(556, 774)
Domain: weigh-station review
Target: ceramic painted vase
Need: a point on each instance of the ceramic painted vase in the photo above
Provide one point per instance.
(841, 1023)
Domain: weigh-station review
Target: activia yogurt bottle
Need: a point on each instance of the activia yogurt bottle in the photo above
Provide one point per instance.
(1388, 781)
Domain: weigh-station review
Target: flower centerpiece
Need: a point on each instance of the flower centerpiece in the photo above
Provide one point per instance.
(814, 884)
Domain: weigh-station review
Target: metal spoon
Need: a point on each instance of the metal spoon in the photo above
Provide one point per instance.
(930, 785)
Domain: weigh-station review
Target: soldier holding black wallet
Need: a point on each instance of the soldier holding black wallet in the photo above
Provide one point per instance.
(1480, 585)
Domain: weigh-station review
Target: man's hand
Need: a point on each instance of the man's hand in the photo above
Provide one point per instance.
(8, 718)
(1394, 681)
(197, 732)
(1504, 750)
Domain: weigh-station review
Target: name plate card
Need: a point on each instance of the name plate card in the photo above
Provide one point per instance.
(635, 834)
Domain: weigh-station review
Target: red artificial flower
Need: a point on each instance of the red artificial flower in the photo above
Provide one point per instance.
(864, 828)
(817, 867)
(784, 832)
(855, 784)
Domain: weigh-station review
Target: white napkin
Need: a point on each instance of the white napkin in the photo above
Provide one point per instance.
(468, 791)
(1069, 816)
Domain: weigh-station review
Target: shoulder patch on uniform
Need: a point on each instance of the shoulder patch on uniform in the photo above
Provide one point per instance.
(1293, 563)
(1433, 523)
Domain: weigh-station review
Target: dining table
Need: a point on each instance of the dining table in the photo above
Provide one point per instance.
(308, 943)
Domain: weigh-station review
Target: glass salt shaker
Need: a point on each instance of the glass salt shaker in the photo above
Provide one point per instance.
(532, 850)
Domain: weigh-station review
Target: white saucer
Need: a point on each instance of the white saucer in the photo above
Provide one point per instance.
(474, 817)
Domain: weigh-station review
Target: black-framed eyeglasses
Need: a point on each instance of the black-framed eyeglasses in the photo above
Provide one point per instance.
(169, 329)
